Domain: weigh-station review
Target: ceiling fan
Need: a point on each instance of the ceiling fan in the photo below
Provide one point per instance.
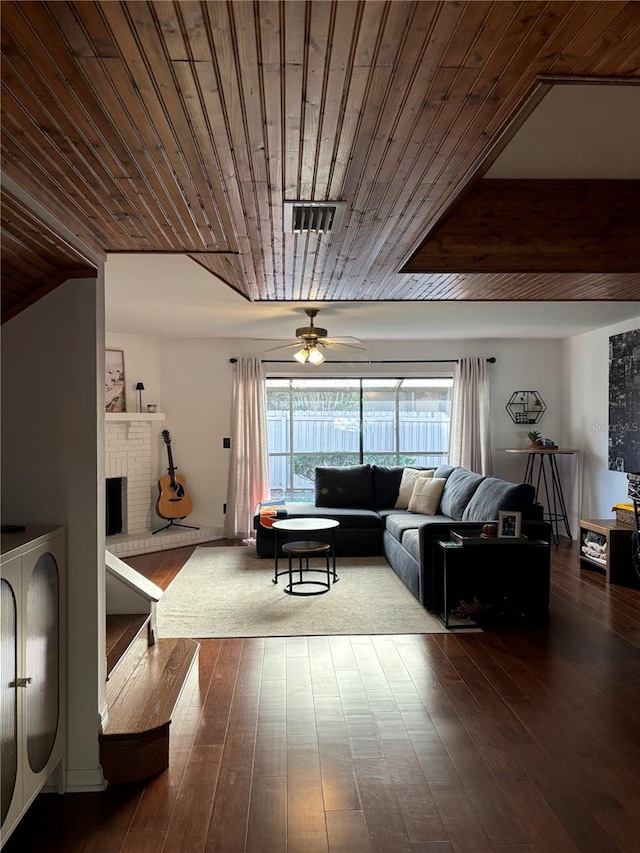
(312, 338)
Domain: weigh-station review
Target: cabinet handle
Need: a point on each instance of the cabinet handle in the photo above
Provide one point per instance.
(20, 682)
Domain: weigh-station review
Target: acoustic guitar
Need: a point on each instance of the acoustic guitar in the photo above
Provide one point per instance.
(174, 500)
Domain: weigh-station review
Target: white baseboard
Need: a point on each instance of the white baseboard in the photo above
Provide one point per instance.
(88, 779)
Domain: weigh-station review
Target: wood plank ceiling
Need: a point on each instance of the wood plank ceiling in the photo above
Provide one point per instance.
(184, 126)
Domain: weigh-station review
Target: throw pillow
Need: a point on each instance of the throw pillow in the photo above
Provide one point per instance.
(409, 477)
(460, 488)
(386, 485)
(350, 486)
(493, 494)
(426, 495)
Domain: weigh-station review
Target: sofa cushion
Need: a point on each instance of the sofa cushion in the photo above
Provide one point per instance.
(411, 542)
(350, 519)
(426, 495)
(409, 477)
(386, 484)
(493, 494)
(348, 486)
(402, 521)
(459, 489)
(444, 470)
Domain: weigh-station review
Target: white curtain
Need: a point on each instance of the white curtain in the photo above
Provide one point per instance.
(469, 435)
(249, 463)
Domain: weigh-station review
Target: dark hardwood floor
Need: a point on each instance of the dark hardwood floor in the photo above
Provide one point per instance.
(501, 741)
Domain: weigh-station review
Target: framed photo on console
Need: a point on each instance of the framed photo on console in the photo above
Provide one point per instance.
(509, 523)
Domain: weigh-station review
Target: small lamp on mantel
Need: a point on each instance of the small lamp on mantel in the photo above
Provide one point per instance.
(139, 389)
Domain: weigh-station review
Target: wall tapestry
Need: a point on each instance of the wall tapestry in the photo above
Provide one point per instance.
(624, 402)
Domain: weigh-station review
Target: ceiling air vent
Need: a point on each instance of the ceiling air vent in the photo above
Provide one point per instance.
(321, 217)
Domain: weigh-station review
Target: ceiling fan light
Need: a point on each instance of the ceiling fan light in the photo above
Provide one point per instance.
(302, 355)
(315, 356)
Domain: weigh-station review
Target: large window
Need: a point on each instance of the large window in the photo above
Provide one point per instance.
(315, 422)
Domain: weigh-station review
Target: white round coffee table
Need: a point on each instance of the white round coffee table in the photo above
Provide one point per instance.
(305, 526)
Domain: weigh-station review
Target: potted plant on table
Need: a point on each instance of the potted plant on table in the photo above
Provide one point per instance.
(535, 439)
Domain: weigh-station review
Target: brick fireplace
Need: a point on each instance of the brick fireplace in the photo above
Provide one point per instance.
(128, 455)
(131, 446)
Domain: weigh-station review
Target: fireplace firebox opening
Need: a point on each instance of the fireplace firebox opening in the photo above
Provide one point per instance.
(114, 503)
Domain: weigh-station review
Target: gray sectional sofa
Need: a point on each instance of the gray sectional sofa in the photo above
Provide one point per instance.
(362, 498)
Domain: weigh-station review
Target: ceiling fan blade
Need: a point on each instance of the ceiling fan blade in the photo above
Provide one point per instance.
(337, 343)
(285, 346)
(343, 339)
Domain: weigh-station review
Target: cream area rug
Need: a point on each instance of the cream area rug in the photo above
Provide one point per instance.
(228, 592)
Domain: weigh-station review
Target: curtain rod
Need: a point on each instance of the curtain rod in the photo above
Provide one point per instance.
(490, 360)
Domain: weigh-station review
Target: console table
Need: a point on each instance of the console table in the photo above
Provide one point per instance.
(544, 459)
(515, 570)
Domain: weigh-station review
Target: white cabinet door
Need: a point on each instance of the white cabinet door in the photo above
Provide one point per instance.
(32, 698)
(11, 721)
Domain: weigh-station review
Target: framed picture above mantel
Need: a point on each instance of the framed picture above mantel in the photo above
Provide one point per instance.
(114, 388)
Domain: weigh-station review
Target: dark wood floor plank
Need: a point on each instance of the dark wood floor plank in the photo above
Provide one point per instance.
(146, 841)
(301, 718)
(387, 831)
(306, 828)
(215, 714)
(419, 812)
(192, 812)
(112, 835)
(347, 832)
(160, 795)
(270, 757)
(459, 817)
(342, 654)
(209, 653)
(431, 693)
(246, 695)
(540, 822)
(431, 753)
(390, 660)
(339, 785)
(622, 828)
(275, 658)
(498, 820)
(620, 785)
(490, 684)
(619, 737)
(323, 677)
(267, 829)
(562, 789)
(227, 832)
(493, 748)
(330, 720)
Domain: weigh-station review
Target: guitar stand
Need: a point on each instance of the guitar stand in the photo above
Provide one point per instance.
(173, 523)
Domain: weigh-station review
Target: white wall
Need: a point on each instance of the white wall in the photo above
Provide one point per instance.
(586, 367)
(52, 470)
(142, 359)
(197, 381)
(197, 385)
